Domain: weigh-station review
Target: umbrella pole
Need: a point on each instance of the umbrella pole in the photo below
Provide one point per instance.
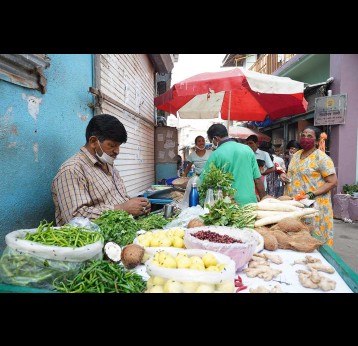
(228, 115)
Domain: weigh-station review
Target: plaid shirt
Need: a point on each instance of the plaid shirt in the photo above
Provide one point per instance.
(83, 187)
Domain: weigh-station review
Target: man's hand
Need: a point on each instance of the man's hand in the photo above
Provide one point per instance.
(136, 206)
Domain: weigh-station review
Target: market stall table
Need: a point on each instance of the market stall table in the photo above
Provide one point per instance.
(288, 279)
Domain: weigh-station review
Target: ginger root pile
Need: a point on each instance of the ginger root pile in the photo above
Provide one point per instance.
(260, 267)
(313, 279)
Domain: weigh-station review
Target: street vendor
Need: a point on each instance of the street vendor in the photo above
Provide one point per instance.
(237, 159)
(198, 157)
(87, 184)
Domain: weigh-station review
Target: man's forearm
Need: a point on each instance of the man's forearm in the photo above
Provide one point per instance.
(260, 187)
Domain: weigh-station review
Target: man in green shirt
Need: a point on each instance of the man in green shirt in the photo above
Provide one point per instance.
(238, 159)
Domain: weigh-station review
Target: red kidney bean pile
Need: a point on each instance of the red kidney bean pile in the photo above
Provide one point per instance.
(215, 237)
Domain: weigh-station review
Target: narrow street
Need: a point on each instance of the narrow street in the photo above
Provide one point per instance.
(346, 242)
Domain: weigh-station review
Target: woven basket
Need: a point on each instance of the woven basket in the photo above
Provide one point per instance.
(181, 182)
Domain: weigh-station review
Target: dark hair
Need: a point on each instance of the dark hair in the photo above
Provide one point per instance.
(265, 146)
(253, 138)
(270, 151)
(106, 126)
(179, 160)
(197, 137)
(260, 162)
(315, 129)
(293, 144)
(216, 130)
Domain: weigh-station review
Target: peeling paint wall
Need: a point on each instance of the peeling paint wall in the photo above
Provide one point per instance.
(38, 132)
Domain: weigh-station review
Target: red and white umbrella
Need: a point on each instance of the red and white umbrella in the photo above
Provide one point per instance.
(236, 94)
(244, 132)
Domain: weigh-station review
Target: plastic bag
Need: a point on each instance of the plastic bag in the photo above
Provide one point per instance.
(188, 280)
(340, 206)
(240, 253)
(185, 216)
(27, 263)
(185, 202)
(85, 222)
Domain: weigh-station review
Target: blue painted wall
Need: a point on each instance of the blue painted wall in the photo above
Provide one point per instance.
(33, 146)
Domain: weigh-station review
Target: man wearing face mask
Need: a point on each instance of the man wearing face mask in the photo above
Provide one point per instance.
(198, 157)
(312, 171)
(238, 159)
(88, 184)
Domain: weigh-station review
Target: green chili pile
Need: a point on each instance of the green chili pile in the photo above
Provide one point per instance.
(102, 276)
(65, 236)
(23, 269)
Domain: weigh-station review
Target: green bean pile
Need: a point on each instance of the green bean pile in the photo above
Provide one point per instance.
(66, 236)
(101, 276)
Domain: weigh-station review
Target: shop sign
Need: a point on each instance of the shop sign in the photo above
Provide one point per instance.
(330, 110)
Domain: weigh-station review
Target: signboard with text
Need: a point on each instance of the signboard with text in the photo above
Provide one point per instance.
(330, 110)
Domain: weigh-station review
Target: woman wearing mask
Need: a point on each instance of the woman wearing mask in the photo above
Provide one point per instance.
(312, 171)
(198, 157)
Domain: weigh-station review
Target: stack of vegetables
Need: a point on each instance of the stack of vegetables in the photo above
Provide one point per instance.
(36, 257)
(279, 221)
(101, 276)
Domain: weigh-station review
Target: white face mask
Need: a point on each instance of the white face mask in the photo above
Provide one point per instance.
(105, 158)
(198, 148)
(214, 146)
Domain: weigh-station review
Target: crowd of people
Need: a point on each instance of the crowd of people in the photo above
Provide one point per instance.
(88, 183)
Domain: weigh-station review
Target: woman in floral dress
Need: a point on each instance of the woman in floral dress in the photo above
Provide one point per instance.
(312, 171)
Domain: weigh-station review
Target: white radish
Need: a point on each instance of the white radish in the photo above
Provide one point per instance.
(295, 203)
(276, 218)
(290, 202)
(260, 214)
(309, 216)
(276, 207)
(271, 200)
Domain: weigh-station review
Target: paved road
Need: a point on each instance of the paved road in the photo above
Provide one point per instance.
(345, 242)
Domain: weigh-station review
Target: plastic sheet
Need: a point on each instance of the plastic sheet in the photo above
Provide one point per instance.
(340, 206)
(185, 216)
